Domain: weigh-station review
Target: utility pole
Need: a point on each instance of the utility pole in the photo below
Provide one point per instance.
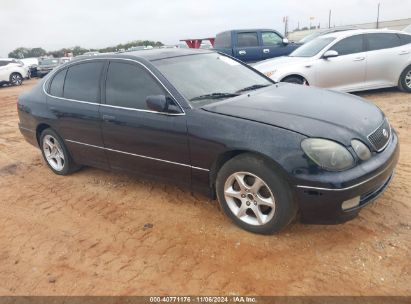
(329, 19)
(378, 15)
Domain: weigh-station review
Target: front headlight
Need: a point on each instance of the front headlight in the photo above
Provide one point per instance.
(327, 154)
(361, 149)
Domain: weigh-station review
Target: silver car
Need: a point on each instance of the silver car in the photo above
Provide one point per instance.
(347, 61)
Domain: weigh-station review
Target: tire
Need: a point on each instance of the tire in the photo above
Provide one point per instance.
(16, 79)
(295, 80)
(55, 153)
(404, 83)
(262, 187)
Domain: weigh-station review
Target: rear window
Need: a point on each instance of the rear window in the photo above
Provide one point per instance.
(247, 39)
(380, 41)
(223, 40)
(405, 39)
(56, 86)
(83, 82)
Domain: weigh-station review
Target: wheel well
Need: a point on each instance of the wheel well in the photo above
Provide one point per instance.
(225, 157)
(16, 73)
(295, 76)
(40, 128)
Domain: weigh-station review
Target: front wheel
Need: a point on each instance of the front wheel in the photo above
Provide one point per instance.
(405, 80)
(16, 79)
(295, 80)
(56, 154)
(254, 195)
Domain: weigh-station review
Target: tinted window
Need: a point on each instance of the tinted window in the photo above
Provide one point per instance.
(382, 41)
(129, 85)
(247, 39)
(350, 45)
(223, 40)
(56, 86)
(82, 82)
(405, 39)
(3, 63)
(271, 38)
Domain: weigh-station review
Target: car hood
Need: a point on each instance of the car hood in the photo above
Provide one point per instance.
(279, 62)
(309, 111)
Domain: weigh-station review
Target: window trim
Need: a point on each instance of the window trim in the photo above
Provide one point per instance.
(104, 73)
(364, 44)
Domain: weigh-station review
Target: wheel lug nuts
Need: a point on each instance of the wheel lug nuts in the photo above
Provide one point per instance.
(255, 203)
(243, 195)
(248, 203)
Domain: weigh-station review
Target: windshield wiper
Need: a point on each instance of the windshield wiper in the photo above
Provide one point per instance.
(253, 87)
(214, 96)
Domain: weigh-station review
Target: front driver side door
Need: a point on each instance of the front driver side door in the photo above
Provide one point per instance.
(137, 139)
(347, 71)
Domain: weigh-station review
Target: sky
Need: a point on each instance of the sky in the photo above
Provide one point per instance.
(54, 24)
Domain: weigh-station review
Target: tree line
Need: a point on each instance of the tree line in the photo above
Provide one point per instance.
(23, 52)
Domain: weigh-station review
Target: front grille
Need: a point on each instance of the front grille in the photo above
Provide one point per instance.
(380, 137)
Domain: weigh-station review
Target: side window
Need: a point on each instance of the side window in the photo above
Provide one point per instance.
(350, 45)
(83, 82)
(379, 41)
(271, 38)
(247, 39)
(405, 39)
(223, 40)
(129, 85)
(3, 63)
(56, 86)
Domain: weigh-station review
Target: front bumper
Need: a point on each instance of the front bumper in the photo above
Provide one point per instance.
(321, 201)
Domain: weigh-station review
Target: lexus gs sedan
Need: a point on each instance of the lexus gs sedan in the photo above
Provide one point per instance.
(268, 151)
(347, 61)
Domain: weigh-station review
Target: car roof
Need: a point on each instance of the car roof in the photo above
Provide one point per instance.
(348, 33)
(150, 54)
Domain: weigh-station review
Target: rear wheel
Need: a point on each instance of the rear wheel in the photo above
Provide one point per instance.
(16, 79)
(405, 80)
(56, 154)
(254, 196)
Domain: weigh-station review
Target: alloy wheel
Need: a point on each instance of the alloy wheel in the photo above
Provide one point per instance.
(249, 198)
(53, 152)
(408, 79)
(16, 79)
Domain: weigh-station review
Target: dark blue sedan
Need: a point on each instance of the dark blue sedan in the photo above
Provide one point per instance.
(201, 119)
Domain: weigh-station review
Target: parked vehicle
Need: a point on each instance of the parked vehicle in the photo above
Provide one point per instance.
(201, 119)
(12, 71)
(32, 64)
(322, 32)
(347, 61)
(253, 45)
(46, 65)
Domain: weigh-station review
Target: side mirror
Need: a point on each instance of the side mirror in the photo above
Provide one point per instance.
(330, 54)
(161, 103)
(156, 103)
(286, 41)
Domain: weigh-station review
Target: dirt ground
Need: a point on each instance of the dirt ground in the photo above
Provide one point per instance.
(103, 233)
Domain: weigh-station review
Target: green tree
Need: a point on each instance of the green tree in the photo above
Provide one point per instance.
(19, 53)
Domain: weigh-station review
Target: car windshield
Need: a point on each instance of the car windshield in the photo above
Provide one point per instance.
(207, 78)
(49, 61)
(407, 29)
(312, 47)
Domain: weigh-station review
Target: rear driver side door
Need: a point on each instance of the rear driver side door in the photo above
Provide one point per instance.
(136, 139)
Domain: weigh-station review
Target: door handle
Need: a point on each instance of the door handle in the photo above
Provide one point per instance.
(242, 52)
(265, 51)
(108, 117)
(404, 53)
(359, 59)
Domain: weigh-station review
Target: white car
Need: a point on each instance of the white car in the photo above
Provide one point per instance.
(347, 61)
(12, 71)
